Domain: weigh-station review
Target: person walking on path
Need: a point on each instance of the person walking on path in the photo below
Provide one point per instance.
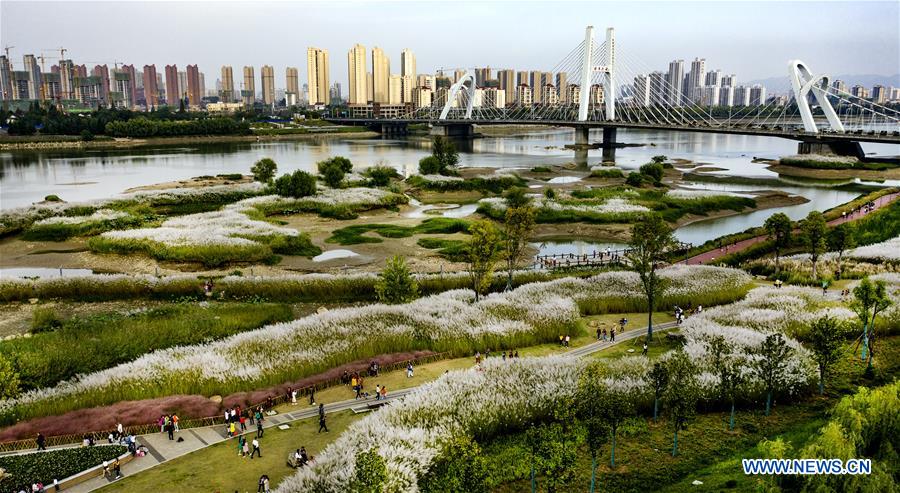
(259, 427)
(174, 422)
(322, 425)
(240, 443)
(644, 351)
(256, 450)
(321, 410)
(263, 485)
(409, 370)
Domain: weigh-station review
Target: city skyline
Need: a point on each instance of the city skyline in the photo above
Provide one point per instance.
(835, 31)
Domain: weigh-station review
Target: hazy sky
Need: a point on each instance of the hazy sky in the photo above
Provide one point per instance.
(752, 39)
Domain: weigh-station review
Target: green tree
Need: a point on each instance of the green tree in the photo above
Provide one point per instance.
(333, 175)
(445, 152)
(771, 365)
(815, 230)
(732, 382)
(681, 395)
(589, 410)
(659, 379)
(778, 226)
(841, 238)
(370, 474)
(460, 468)
(264, 170)
(395, 283)
(826, 336)
(297, 184)
(483, 251)
(869, 300)
(341, 162)
(9, 379)
(659, 159)
(650, 239)
(380, 176)
(518, 224)
(556, 452)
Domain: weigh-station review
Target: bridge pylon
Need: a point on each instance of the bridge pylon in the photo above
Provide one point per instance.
(803, 82)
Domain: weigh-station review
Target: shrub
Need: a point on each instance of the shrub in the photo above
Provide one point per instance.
(264, 170)
(341, 162)
(52, 198)
(541, 169)
(44, 320)
(550, 193)
(635, 179)
(607, 173)
(333, 175)
(429, 166)
(25, 469)
(395, 283)
(380, 176)
(86, 135)
(297, 184)
(231, 176)
(654, 171)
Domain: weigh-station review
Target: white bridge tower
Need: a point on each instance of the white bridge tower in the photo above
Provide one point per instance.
(802, 82)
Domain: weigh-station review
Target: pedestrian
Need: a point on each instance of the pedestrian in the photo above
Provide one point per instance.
(262, 484)
(560, 339)
(232, 430)
(241, 442)
(293, 397)
(599, 330)
(120, 430)
(259, 427)
(312, 396)
(170, 428)
(41, 442)
(644, 351)
(242, 419)
(477, 357)
(174, 422)
(612, 334)
(383, 392)
(117, 469)
(321, 410)
(567, 340)
(824, 288)
(517, 355)
(256, 450)
(322, 425)
(162, 423)
(377, 392)
(409, 370)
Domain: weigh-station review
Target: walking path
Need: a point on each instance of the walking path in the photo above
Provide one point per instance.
(710, 256)
(161, 449)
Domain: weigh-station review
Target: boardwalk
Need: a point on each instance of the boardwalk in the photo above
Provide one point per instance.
(163, 450)
(712, 255)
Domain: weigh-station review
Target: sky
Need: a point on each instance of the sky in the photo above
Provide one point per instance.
(755, 40)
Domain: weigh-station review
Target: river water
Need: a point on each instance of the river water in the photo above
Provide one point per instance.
(26, 177)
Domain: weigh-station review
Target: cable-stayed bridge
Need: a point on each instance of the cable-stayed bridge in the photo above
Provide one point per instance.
(622, 92)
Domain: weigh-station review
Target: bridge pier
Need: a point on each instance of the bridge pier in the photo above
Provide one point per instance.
(459, 130)
(392, 129)
(609, 143)
(835, 148)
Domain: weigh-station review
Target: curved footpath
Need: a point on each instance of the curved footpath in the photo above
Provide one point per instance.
(710, 256)
(161, 449)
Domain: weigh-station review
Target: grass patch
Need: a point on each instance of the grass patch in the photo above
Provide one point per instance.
(452, 250)
(220, 468)
(103, 341)
(541, 169)
(353, 235)
(494, 184)
(607, 173)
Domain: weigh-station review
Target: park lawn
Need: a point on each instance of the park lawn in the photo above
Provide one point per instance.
(218, 468)
(659, 346)
(635, 321)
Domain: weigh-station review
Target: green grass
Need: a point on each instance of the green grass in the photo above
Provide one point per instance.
(353, 235)
(287, 206)
(494, 185)
(607, 173)
(452, 250)
(63, 231)
(105, 340)
(541, 169)
(220, 468)
(810, 162)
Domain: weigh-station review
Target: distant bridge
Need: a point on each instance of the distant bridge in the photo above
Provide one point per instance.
(623, 94)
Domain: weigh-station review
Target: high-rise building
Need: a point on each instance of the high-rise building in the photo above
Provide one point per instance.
(562, 82)
(482, 75)
(422, 97)
(370, 87)
(87, 90)
(102, 72)
(407, 63)
(714, 78)
(335, 93)
(538, 81)
(507, 78)
(182, 86)
(729, 80)
(151, 91)
(674, 81)
(172, 94)
(395, 89)
(407, 85)
(895, 94)
(292, 86)
(426, 80)
(317, 76)
(20, 83)
(490, 97)
(193, 85)
(549, 96)
(596, 95)
(35, 83)
(356, 71)
(879, 94)
(695, 81)
(641, 90)
(523, 95)
(658, 89)
(839, 86)
(726, 96)
(741, 96)
(52, 89)
(121, 95)
(757, 95)
(6, 82)
(226, 94)
(267, 75)
(522, 78)
(248, 90)
(573, 93)
(381, 76)
(458, 74)
(66, 73)
(132, 79)
(709, 95)
(202, 85)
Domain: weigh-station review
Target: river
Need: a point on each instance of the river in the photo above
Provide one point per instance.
(75, 175)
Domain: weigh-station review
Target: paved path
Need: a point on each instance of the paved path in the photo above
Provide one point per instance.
(710, 256)
(163, 450)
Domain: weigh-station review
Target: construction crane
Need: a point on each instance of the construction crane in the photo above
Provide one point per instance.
(6, 49)
(62, 52)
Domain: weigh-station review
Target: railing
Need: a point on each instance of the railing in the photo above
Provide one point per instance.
(145, 429)
(579, 260)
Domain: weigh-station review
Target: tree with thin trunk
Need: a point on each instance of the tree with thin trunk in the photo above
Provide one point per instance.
(682, 393)
(732, 381)
(869, 300)
(771, 365)
(395, 283)
(371, 473)
(659, 378)
(651, 238)
(617, 405)
(841, 238)
(589, 410)
(826, 337)
(778, 226)
(727, 366)
(815, 231)
(518, 224)
(483, 251)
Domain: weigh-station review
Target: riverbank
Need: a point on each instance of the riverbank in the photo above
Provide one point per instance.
(835, 174)
(73, 142)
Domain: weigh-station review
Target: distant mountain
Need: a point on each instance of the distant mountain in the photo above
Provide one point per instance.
(781, 85)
